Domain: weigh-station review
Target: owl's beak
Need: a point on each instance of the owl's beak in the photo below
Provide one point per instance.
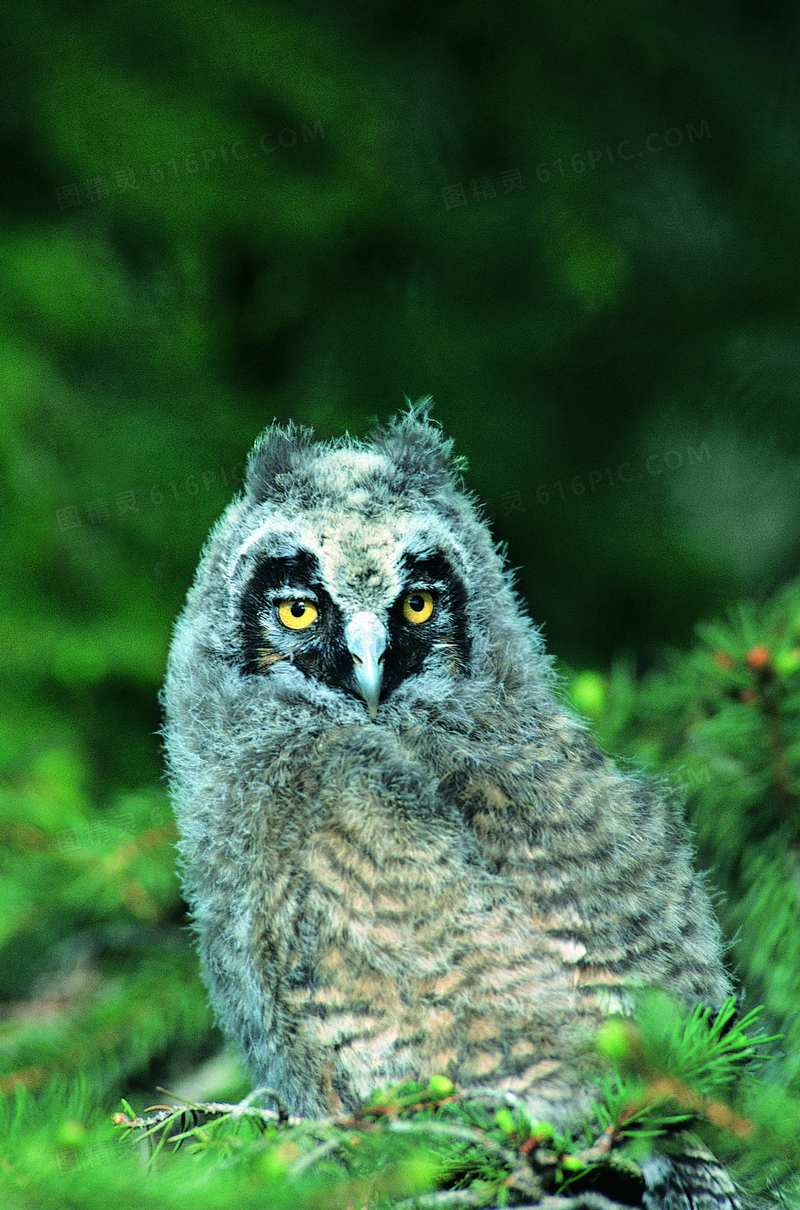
(367, 640)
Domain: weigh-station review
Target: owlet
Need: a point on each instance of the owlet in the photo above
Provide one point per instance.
(402, 852)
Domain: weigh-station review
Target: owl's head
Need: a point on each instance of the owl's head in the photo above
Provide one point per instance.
(356, 578)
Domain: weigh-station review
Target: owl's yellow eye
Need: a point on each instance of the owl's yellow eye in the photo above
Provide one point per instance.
(418, 605)
(297, 612)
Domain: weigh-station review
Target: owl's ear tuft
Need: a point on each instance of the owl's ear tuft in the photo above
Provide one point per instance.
(279, 451)
(416, 446)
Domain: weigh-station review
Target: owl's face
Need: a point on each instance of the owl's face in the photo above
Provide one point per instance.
(356, 606)
(350, 581)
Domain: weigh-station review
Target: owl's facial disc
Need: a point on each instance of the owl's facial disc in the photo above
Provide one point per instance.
(367, 640)
(362, 635)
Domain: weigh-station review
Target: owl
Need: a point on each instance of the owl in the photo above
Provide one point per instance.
(403, 854)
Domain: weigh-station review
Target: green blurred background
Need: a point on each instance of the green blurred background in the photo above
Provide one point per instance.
(574, 223)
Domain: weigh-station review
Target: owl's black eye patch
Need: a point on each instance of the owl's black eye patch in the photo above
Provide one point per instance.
(270, 578)
(445, 627)
(436, 573)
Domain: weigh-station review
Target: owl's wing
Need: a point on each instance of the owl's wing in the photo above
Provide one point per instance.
(600, 859)
(602, 864)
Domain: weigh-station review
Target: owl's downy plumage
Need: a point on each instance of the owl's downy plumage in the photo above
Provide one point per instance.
(402, 853)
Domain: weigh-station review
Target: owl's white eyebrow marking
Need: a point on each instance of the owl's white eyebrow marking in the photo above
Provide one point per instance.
(254, 537)
(292, 540)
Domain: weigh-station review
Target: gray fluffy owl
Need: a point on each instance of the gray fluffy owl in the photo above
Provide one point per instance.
(402, 853)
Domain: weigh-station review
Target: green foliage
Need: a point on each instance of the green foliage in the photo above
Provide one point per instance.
(428, 1141)
(96, 976)
(722, 722)
(672, 1068)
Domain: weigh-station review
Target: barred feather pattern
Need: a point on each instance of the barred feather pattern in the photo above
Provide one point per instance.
(404, 923)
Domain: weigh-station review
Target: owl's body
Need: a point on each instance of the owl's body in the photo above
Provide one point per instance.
(402, 853)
